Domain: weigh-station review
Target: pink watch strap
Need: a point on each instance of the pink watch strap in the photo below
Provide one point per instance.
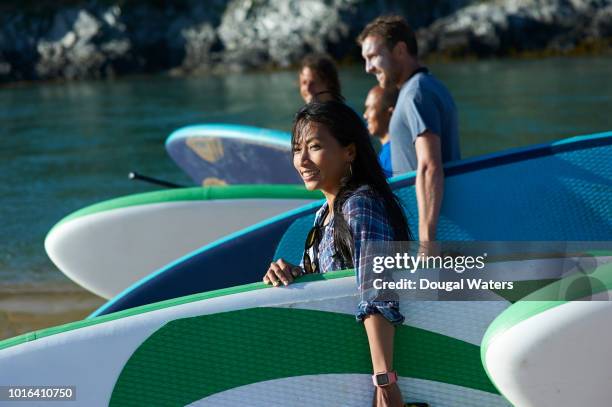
(391, 378)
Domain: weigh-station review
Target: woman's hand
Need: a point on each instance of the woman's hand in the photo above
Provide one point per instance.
(281, 271)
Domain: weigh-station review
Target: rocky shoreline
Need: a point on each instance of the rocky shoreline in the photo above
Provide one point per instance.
(106, 38)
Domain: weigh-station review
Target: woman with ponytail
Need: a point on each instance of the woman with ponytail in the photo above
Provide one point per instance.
(332, 152)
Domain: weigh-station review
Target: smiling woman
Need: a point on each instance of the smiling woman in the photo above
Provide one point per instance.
(332, 153)
(319, 159)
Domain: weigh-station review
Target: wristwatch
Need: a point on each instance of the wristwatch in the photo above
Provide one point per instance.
(384, 378)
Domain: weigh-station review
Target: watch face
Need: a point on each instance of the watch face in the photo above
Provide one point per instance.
(382, 379)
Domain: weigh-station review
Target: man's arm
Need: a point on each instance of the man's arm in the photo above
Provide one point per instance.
(429, 183)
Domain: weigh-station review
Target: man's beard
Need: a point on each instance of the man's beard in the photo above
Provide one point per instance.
(389, 79)
(387, 83)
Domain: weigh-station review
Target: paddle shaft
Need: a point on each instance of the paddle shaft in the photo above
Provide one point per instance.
(136, 176)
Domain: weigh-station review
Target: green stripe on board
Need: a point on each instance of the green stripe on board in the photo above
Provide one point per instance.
(198, 194)
(17, 340)
(522, 289)
(192, 358)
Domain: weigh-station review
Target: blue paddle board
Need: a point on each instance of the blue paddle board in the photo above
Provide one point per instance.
(560, 191)
(213, 154)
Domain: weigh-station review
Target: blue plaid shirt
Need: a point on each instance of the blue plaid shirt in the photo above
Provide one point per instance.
(367, 218)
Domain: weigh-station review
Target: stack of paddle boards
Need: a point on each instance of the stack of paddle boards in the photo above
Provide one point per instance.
(169, 340)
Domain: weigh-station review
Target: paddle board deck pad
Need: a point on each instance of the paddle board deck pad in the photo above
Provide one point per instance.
(292, 346)
(232, 154)
(555, 353)
(560, 191)
(108, 246)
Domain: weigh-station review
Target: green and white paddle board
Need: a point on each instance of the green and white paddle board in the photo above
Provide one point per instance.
(108, 246)
(543, 353)
(257, 346)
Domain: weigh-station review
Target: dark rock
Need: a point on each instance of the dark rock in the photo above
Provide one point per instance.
(193, 37)
(83, 43)
(502, 27)
(256, 33)
(601, 25)
(101, 38)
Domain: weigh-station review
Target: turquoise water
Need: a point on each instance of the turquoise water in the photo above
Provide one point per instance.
(66, 146)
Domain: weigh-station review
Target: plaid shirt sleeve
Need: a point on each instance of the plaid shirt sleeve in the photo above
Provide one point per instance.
(368, 222)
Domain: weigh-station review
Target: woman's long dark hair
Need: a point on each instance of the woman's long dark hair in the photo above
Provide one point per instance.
(348, 128)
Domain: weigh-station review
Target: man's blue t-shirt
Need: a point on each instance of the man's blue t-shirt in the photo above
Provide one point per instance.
(423, 104)
(385, 159)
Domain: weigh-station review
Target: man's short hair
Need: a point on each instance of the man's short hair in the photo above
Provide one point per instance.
(392, 29)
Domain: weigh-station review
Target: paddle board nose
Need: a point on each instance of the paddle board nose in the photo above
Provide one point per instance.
(233, 154)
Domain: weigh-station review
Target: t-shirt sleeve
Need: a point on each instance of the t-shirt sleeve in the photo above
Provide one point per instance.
(385, 160)
(421, 113)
